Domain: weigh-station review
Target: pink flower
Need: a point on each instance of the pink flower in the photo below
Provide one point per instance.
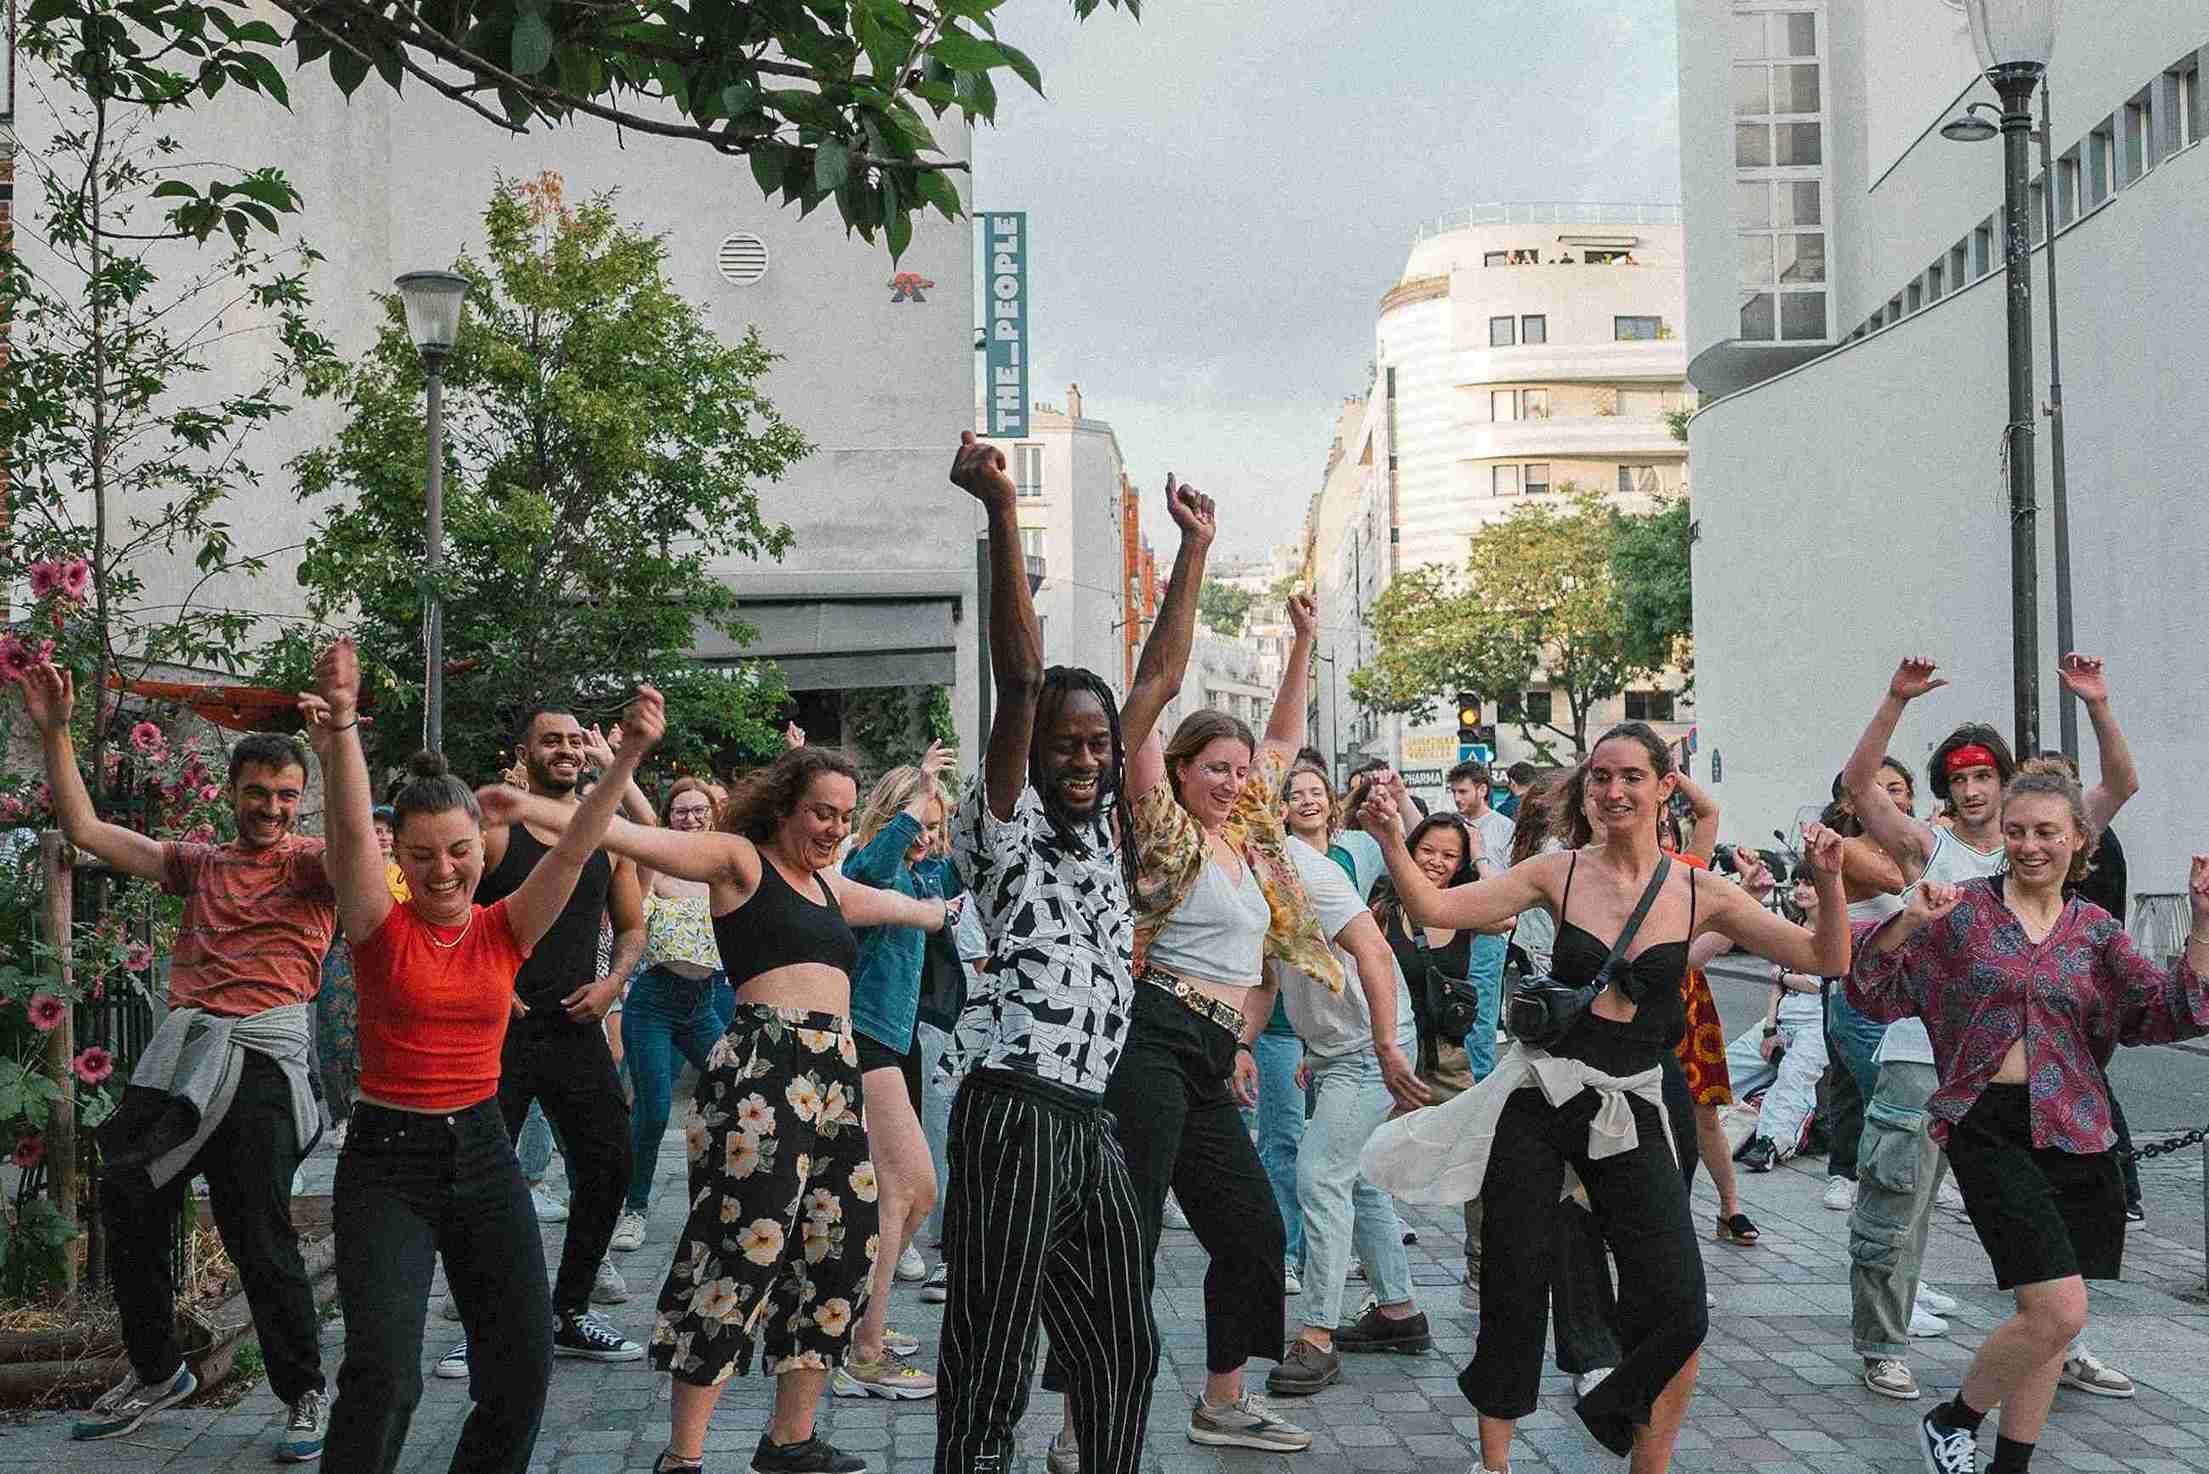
(47, 1012)
(46, 578)
(93, 1065)
(199, 834)
(139, 957)
(30, 1150)
(208, 793)
(76, 579)
(11, 809)
(146, 737)
(17, 659)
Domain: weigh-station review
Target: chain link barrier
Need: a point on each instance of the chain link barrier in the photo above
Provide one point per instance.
(2156, 1149)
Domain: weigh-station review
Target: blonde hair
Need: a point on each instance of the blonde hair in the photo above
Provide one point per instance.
(891, 796)
(2043, 777)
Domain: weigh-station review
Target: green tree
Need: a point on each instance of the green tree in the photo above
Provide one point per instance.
(826, 99)
(1223, 607)
(1536, 594)
(602, 450)
(1650, 567)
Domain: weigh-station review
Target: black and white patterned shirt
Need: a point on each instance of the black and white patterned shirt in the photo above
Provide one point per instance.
(1054, 1002)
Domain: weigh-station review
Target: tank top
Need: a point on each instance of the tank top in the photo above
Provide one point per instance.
(566, 956)
(778, 927)
(1219, 929)
(679, 929)
(1658, 974)
(1952, 862)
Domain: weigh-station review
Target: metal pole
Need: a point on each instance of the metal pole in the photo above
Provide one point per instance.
(2015, 81)
(2067, 706)
(433, 712)
(61, 1045)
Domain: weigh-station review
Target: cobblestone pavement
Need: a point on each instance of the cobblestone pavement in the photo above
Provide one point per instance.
(1779, 1392)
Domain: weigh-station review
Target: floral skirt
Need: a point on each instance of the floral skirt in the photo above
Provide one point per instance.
(782, 1235)
(1702, 1050)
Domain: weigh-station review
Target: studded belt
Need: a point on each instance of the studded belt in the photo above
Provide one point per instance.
(1195, 999)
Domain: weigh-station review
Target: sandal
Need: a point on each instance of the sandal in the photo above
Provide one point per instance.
(1737, 1230)
(670, 1462)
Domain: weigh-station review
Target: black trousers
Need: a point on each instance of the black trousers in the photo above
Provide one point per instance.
(2125, 1163)
(568, 1070)
(1182, 1128)
(1641, 1209)
(412, 1187)
(1041, 1227)
(248, 1163)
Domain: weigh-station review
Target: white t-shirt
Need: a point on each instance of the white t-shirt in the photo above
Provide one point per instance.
(1951, 863)
(1365, 857)
(1332, 1024)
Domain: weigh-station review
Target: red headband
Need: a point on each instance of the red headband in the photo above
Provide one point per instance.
(1971, 755)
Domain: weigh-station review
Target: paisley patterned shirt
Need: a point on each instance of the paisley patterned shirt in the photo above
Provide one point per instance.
(1980, 983)
(1054, 1001)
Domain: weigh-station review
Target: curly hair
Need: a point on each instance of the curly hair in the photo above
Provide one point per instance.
(681, 786)
(760, 803)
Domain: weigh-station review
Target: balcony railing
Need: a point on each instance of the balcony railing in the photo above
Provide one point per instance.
(1553, 212)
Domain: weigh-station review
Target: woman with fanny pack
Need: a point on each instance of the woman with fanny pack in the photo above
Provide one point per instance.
(1584, 1100)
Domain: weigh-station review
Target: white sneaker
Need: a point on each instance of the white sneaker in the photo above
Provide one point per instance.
(549, 1208)
(1934, 1300)
(607, 1286)
(1839, 1194)
(910, 1266)
(1950, 1196)
(1924, 1323)
(1889, 1376)
(628, 1232)
(936, 1289)
(1290, 1284)
(1173, 1217)
(1587, 1382)
(2089, 1373)
(454, 1363)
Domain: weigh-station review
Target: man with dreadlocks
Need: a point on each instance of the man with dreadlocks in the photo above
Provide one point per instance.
(1041, 1223)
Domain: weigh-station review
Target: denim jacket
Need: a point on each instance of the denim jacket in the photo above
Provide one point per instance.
(885, 991)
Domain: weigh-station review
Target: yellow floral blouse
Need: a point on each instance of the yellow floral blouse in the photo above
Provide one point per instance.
(1170, 855)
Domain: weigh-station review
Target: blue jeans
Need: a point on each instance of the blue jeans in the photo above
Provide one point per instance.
(1855, 1040)
(1486, 974)
(1343, 1213)
(664, 1013)
(1281, 1128)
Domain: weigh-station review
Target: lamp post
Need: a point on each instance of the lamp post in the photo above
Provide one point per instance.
(2013, 39)
(433, 302)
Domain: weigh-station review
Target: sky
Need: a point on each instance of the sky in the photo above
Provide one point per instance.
(1219, 194)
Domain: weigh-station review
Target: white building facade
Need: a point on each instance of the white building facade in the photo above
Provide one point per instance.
(1854, 478)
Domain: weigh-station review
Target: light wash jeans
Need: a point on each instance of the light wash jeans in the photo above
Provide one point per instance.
(1791, 1088)
(1485, 966)
(1856, 1040)
(1343, 1213)
(534, 1146)
(1898, 1171)
(936, 1090)
(1281, 1129)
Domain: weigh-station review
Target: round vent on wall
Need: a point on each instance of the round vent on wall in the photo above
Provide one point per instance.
(742, 258)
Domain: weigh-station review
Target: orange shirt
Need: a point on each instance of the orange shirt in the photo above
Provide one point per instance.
(434, 1002)
(256, 923)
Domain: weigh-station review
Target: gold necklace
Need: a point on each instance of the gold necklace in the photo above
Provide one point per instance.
(438, 941)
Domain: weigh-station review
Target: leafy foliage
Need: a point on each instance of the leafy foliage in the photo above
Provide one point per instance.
(602, 449)
(1536, 594)
(1223, 607)
(1650, 568)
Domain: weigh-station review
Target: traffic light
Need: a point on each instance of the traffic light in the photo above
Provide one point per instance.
(1468, 717)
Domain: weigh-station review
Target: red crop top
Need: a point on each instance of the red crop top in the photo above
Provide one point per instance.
(434, 1003)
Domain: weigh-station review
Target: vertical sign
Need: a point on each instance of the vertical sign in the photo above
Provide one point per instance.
(1005, 246)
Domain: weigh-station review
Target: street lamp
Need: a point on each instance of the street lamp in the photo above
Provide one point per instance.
(433, 300)
(2013, 39)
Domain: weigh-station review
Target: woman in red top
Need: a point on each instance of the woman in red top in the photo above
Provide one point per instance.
(427, 1168)
(2026, 995)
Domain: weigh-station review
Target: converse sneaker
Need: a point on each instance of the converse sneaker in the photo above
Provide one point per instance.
(628, 1232)
(814, 1456)
(454, 1363)
(1244, 1423)
(910, 1266)
(890, 1376)
(1890, 1377)
(1290, 1283)
(128, 1403)
(589, 1337)
(304, 1429)
(1947, 1450)
(936, 1289)
(607, 1286)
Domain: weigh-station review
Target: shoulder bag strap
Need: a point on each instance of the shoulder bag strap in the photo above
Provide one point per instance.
(1633, 923)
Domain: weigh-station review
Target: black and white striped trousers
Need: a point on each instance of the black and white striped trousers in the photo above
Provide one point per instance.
(1041, 1228)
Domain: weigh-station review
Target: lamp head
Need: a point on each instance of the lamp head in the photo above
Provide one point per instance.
(2012, 33)
(1969, 127)
(433, 301)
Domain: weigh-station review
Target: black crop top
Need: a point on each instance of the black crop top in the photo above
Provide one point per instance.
(1655, 980)
(778, 927)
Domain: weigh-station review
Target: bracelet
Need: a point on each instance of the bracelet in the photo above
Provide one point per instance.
(1244, 1048)
(349, 726)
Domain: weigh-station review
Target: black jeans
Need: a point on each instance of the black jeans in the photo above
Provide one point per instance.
(569, 1071)
(248, 1163)
(1182, 1128)
(1844, 1114)
(411, 1187)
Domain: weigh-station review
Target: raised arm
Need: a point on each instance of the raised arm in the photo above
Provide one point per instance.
(2082, 677)
(2155, 1006)
(1822, 951)
(867, 905)
(1476, 907)
(351, 857)
(1285, 726)
(50, 696)
(1867, 870)
(1015, 634)
(1701, 840)
(599, 747)
(708, 855)
(1900, 835)
(1165, 657)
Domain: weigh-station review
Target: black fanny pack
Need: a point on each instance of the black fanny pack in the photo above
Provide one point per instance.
(1539, 1011)
(1453, 1005)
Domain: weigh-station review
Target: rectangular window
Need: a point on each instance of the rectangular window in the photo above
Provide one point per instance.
(1534, 328)
(2139, 137)
(1779, 107)
(2187, 122)
(1534, 403)
(1636, 329)
(1802, 317)
(1933, 282)
(2067, 189)
(2101, 164)
(1894, 310)
(1503, 405)
(1600, 257)
(1027, 463)
(1649, 706)
(1539, 706)
(1758, 322)
(1913, 297)
(1502, 332)
(1503, 480)
(1637, 479)
(1495, 258)
(2036, 209)
(1959, 264)
(1982, 249)
(1537, 478)
(1031, 542)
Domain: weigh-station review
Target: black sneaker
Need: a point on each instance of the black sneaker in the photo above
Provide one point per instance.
(1946, 1450)
(1758, 1154)
(2135, 1214)
(814, 1456)
(589, 1337)
(1374, 1331)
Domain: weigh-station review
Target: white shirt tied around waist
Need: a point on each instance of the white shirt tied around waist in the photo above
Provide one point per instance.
(1440, 1154)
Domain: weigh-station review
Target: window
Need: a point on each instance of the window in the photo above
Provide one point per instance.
(1779, 109)
(1534, 403)
(2139, 137)
(1636, 329)
(1534, 328)
(1031, 542)
(1502, 332)
(1649, 706)
(1537, 478)
(1982, 249)
(1495, 258)
(2187, 123)
(1027, 463)
(1637, 479)
(2067, 188)
(1605, 257)
(1914, 297)
(1503, 480)
(2101, 164)
(1959, 264)
(1933, 281)
(2036, 209)
(1503, 405)
(1536, 707)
